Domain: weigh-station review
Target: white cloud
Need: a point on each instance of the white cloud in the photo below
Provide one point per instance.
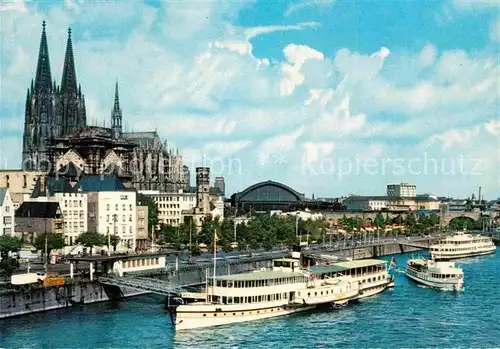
(335, 118)
(13, 5)
(313, 152)
(476, 4)
(493, 127)
(452, 138)
(278, 145)
(296, 56)
(428, 55)
(302, 4)
(495, 30)
(240, 38)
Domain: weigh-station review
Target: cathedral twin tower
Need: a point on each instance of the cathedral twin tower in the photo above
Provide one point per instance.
(51, 111)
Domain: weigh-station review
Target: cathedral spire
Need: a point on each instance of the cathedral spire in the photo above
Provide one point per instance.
(68, 82)
(116, 114)
(43, 80)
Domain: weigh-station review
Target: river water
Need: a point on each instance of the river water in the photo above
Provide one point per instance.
(408, 316)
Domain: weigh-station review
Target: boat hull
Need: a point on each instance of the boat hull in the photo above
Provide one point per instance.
(186, 320)
(377, 288)
(441, 257)
(450, 286)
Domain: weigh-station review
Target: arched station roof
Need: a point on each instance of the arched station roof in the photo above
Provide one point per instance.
(269, 191)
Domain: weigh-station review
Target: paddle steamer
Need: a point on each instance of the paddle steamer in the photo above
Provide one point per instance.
(283, 290)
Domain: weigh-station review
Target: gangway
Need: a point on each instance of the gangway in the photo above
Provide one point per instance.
(415, 245)
(157, 286)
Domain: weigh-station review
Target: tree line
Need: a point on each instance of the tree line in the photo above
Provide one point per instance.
(266, 231)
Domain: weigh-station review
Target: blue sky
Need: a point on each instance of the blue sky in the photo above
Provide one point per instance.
(328, 97)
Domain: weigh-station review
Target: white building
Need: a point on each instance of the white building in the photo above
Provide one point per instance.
(114, 212)
(217, 208)
(171, 205)
(402, 190)
(74, 209)
(366, 203)
(6, 213)
(303, 215)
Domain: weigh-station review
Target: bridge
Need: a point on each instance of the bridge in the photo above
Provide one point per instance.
(161, 287)
(445, 217)
(174, 281)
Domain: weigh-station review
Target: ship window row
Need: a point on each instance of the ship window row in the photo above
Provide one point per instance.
(141, 262)
(356, 272)
(470, 248)
(258, 283)
(467, 242)
(248, 299)
(445, 276)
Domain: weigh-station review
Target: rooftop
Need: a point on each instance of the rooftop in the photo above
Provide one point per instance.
(114, 257)
(360, 263)
(259, 275)
(324, 269)
(3, 193)
(38, 209)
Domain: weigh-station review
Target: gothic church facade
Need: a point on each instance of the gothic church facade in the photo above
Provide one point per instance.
(56, 132)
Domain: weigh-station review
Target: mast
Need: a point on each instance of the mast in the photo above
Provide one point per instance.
(190, 226)
(215, 262)
(234, 224)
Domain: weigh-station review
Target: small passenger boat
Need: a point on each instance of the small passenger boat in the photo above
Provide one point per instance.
(441, 275)
(461, 245)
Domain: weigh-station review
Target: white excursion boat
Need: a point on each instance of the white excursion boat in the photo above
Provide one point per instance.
(442, 275)
(461, 245)
(372, 274)
(283, 290)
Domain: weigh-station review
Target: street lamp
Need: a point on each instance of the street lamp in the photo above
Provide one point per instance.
(114, 233)
(46, 245)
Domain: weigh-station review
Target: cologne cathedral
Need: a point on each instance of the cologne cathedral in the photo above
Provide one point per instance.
(58, 140)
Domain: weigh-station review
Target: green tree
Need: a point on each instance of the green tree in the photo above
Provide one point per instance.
(434, 219)
(188, 231)
(379, 220)
(9, 244)
(54, 242)
(143, 200)
(91, 238)
(114, 240)
(461, 223)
